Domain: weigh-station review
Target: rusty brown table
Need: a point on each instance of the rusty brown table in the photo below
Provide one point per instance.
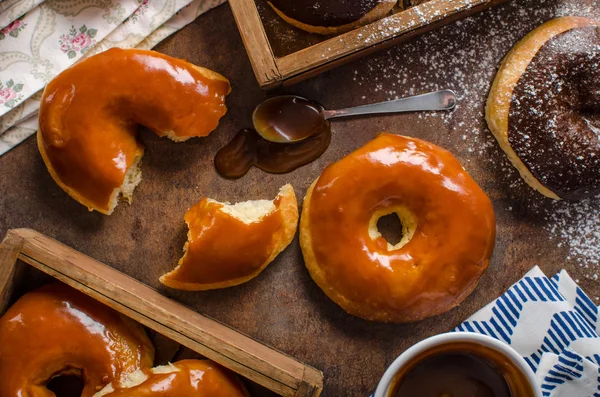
(283, 307)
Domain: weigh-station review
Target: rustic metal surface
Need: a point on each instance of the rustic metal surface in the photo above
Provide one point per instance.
(283, 307)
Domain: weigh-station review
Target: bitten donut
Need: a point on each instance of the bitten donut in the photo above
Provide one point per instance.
(90, 114)
(448, 231)
(56, 330)
(229, 244)
(328, 17)
(185, 378)
(544, 108)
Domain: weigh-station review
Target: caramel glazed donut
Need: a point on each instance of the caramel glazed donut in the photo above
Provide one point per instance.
(56, 330)
(447, 221)
(544, 108)
(329, 17)
(185, 378)
(89, 117)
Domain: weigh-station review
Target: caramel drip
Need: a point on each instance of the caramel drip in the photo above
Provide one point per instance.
(249, 149)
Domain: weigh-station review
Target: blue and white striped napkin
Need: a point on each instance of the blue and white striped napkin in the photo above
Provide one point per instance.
(554, 325)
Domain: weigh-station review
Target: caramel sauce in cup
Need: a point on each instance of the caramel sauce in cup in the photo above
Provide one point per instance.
(459, 365)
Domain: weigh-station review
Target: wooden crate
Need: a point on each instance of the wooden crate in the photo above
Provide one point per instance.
(243, 355)
(272, 71)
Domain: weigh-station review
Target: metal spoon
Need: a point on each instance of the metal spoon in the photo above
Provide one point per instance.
(291, 118)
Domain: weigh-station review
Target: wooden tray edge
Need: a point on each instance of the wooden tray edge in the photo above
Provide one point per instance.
(222, 344)
(256, 42)
(313, 60)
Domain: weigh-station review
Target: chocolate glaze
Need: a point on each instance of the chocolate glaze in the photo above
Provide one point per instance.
(460, 369)
(325, 12)
(249, 149)
(554, 117)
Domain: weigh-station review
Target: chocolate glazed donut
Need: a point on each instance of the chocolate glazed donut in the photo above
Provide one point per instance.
(331, 16)
(544, 108)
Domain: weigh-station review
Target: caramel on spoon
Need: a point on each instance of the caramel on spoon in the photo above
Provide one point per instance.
(291, 118)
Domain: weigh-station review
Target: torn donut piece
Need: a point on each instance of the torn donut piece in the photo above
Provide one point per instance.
(229, 244)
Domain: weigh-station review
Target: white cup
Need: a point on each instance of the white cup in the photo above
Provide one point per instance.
(383, 388)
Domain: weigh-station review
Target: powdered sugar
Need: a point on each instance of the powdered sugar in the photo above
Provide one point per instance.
(449, 63)
(572, 226)
(576, 225)
(393, 74)
(465, 46)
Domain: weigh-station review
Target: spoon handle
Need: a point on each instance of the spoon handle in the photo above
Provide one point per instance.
(438, 100)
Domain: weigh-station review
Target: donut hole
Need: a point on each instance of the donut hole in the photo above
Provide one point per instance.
(395, 225)
(66, 386)
(390, 228)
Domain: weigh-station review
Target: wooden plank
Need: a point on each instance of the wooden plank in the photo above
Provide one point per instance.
(375, 36)
(291, 79)
(251, 359)
(307, 390)
(290, 69)
(9, 252)
(256, 42)
(178, 336)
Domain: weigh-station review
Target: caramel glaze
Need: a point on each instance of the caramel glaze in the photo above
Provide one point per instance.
(461, 369)
(432, 273)
(56, 330)
(249, 149)
(90, 113)
(221, 247)
(289, 118)
(554, 117)
(193, 378)
(325, 12)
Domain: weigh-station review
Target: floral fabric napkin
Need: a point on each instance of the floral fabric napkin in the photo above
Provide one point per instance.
(554, 325)
(52, 36)
(11, 10)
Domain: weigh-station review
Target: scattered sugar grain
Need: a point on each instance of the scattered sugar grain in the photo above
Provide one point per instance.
(572, 225)
(576, 225)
